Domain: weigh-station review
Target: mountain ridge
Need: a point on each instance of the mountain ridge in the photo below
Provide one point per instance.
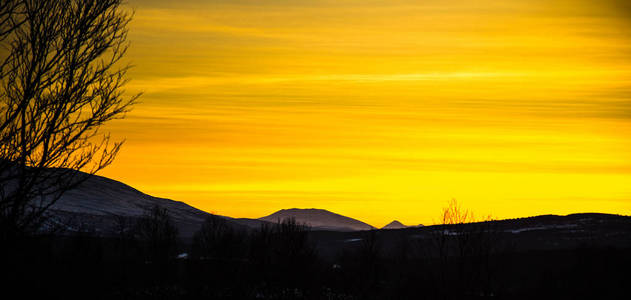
(99, 200)
(319, 219)
(394, 225)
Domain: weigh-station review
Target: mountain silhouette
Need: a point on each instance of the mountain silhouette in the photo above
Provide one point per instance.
(394, 225)
(98, 201)
(319, 219)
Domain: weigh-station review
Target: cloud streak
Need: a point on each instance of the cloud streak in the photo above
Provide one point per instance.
(381, 108)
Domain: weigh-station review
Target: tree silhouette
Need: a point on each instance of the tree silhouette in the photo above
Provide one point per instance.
(61, 79)
(9, 10)
(216, 239)
(158, 234)
(463, 247)
(282, 254)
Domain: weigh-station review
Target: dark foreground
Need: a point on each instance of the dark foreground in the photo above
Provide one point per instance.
(578, 257)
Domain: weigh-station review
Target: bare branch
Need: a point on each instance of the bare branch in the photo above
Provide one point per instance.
(61, 79)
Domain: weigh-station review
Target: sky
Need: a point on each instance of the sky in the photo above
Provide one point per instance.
(380, 110)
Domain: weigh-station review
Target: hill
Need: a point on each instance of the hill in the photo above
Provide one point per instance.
(97, 202)
(319, 219)
(394, 225)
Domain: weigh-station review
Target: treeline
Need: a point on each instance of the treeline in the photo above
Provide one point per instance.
(146, 259)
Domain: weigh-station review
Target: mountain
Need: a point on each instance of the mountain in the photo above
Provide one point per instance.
(319, 219)
(394, 225)
(97, 202)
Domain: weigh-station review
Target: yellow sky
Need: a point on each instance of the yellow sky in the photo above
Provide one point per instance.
(381, 110)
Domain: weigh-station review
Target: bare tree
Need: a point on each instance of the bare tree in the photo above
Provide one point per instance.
(452, 218)
(369, 257)
(282, 253)
(10, 17)
(464, 246)
(217, 239)
(61, 79)
(158, 233)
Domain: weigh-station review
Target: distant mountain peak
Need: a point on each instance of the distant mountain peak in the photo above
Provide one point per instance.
(318, 219)
(305, 209)
(394, 225)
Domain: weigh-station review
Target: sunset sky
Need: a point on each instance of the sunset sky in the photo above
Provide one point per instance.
(381, 110)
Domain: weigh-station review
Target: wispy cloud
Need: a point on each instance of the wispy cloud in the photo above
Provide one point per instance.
(375, 107)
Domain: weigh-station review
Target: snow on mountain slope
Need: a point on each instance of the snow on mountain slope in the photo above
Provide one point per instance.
(99, 200)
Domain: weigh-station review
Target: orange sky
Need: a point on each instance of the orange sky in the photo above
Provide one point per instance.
(381, 110)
